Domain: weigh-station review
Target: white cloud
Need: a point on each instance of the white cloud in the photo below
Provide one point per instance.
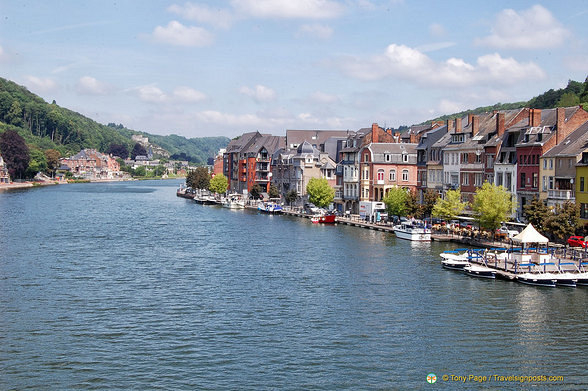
(299, 9)
(41, 84)
(203, 14)
(431, 47)
(90, 86)
(187, 94)
(405, 63)
(534, 28)
(577, 63)
(179, 35)
(151, 94)
(315, 30)
(259, 93)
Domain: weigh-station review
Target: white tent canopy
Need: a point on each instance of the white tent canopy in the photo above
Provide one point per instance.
(530, 235)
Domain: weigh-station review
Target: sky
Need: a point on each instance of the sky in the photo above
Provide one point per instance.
(223, 68)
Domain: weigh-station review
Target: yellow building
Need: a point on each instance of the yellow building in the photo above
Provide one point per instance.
(582, 187)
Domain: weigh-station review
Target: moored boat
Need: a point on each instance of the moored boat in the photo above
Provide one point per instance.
(233, 203)
(534, 278)
(269, 207)
(326, 218)
(479, 271)
(411, 230)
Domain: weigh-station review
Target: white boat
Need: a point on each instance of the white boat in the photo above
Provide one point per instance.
(411, 230)
(233, 203)
(534, 278)
(456, 260)
(580, 275)
(479, 271)
(269, 207)
(561, 278)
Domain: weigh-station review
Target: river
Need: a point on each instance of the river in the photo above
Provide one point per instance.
(125, 286)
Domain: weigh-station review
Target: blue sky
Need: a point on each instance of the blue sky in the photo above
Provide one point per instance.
(222, 68)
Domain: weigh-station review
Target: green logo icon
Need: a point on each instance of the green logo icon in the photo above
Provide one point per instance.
(431, 378)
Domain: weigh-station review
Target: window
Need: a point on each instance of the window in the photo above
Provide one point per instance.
(380, 175)
(545, 164)
(584, 211)
(464, 158)
(570, 162)
(490, 161)
(499, 179)
(405, 157)
(465, 179)
(550, 183)
(405, 175)
(478, 179)
(581, 183)
(507, 180)
(387, 157)
(544, 181)
(522, 179)
(392, 175)
(551, 164)
(535, 180)
(366, 157)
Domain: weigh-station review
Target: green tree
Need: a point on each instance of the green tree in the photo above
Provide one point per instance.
(397, 202)
(256, 191)
(274, 192)
(291, 196)
(568, 99)
(37, 163)
(320, 192)
(15, 153)
(141, 171)
(450, 207)
(14, 115)
(198, 178)
(430, 198)
(492, 205)
(564, 221)
(537, 213)
(52, 157)
(219, 184)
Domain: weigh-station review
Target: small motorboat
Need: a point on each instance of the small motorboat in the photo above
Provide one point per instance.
(324, 218)
(535, 278)
(479, 271)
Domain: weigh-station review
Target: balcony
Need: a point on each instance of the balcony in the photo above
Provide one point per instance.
(567, 195)
(379, 182)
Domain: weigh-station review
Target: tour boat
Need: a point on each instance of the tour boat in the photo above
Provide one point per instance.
(479, 271)
(411, 230)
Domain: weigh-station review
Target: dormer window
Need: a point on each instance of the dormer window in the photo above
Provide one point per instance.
(405, 157)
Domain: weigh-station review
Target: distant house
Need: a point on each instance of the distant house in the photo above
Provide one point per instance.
(4, 176)
(91, 164)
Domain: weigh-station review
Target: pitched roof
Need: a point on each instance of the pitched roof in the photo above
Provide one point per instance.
(573, 145)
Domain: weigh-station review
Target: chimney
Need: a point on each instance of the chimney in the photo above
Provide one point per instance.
(470, 118)
(458, 125)
(500, 118)
(534, 117)
(449, 125)
(375, 129)
(560, 129)
(475, 124)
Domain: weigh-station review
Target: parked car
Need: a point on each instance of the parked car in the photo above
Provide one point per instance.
(577, 241)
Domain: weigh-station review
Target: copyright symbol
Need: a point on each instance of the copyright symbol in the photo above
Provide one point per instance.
(445, 377)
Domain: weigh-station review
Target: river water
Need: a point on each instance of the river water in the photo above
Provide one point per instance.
(126, 286)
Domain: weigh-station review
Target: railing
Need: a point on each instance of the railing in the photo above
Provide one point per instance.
(560, 194)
